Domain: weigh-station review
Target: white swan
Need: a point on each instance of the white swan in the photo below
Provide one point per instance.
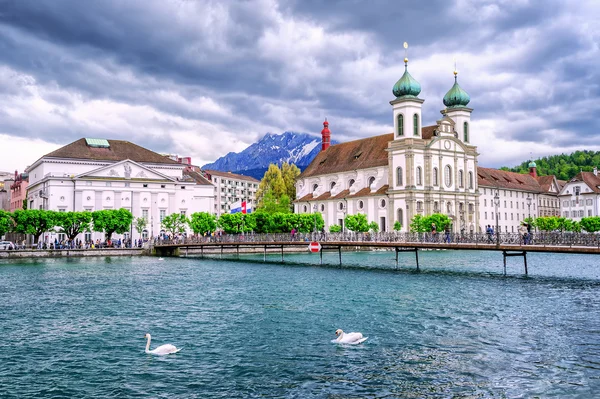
(160, 259)
(352, 338)
(161, 350)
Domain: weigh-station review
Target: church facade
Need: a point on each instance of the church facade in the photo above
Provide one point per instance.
(393, 177)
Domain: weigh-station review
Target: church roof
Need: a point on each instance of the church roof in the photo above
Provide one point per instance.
(496, 178)
(358, 154)
(118, 150)
(345, 194)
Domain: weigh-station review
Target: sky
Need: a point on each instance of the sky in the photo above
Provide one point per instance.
(203, 78)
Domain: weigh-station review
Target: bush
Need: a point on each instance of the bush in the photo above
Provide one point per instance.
(374, 227)
(397, 226)
(335, 228)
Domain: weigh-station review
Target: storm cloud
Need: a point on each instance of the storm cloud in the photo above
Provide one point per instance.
(203, 78)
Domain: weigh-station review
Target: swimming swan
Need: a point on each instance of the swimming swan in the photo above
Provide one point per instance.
(161, 350)
(352, 338)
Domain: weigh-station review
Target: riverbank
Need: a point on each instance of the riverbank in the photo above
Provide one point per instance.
(68, 253)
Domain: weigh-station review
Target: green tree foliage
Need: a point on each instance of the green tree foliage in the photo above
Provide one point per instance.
(203, 223)
(397, 226)
(550, 223)
(374, 227)
(335, 228)
(590, 224)
(279, 222)
(272, 182)
(73, 223)
(531, 221)
(174, 223)
(357, 223)
(272, 204)
(290, 173)
(6, 222)
(34, 221)
(563, 166)
(112, 221)
(234, 223)
(571, 225)
(140, 224)
(423, 224)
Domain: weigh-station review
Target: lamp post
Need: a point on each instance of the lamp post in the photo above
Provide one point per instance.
(529, 200)
(496, 205)
(315, 212)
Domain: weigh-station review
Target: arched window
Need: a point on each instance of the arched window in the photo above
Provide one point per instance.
(398, 176)
(400, 125)
(419, 206)
(416, 124)
(466, 132)
(435, 177)
(436, 207)
(470, 179)
(449, 208)
(350, 183)
(400, 216)
(419, 176)
(332, 185)
(315, 186)
(461, 179)
(448, 175)
(371, 181)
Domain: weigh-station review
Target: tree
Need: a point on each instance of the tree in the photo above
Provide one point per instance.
(6, 222)
(73, 223)
(335, 228)
(417, 224)
(590, 224)
(374, 227)
(272, 204)
(140, 225)
(203, 223)
(423, 224)
(112, 221)
(34, 221)
(397, 226)
(234, 223)
(548, 223)
(174, 223)
(357, 223)
(273, 181)
(290, 173)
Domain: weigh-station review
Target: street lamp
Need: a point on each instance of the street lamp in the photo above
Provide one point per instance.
(315, 212)
(496, 205)
(529, 200)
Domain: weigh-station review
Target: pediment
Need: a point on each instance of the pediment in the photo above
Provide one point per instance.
(125, 170)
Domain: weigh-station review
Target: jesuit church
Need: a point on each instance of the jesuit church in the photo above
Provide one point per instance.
(393, 177)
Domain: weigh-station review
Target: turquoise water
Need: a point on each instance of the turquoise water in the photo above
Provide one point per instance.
(458, 329)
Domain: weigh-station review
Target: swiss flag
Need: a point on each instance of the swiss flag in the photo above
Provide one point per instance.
(244, 207)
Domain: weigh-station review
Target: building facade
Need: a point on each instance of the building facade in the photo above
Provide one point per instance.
(580, 196)
(97, 174)
(393, 177)
(231, 188)
(18, 191)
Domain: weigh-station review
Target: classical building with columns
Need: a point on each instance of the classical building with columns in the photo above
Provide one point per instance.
(395, 176)
(97, 174)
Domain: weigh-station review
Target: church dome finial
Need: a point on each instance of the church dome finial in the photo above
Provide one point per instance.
(406, 86)
(456, 96)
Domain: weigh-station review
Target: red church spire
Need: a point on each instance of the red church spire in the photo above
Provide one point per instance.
(326, 136)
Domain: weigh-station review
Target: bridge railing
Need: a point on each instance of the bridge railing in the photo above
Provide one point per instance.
(542, 238)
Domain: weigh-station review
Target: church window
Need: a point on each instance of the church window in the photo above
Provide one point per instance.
(400, 125)
(461, 176)
(341, 206)
(322, 207)
(382, 203)
(419, 176)
(449, 208)
(400, 216)
(448, 175)
(435, 177)
(471, 180)
(398, 176)
(416, 124)
(436, 207)
(466, 132)
(371, 181)
(419, 206)
(361, 205)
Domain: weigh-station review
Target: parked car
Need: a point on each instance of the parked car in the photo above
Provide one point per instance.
(6, 245)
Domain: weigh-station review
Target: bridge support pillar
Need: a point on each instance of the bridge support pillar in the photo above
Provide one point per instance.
(321, 255)
(506, 254)
(396, 257)
(417, 257)
(340, 253)
(265, 254)
(282, 253)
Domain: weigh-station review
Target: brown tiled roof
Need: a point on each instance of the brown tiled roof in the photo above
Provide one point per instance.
(119, 150)
(197, 177)
(488, 177)
(588, 178)
(545, 182)
(358, 154)
(229, 174)
(561, 184)
(364, 192)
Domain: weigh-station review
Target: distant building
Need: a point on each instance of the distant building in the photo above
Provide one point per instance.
(18, 191)
(231, 188)
(96, 174)
(580, 196)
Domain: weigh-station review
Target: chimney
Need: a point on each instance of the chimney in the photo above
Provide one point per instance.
(533, 169)
(326, 136)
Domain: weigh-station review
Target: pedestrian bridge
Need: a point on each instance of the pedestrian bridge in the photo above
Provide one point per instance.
(508, 243)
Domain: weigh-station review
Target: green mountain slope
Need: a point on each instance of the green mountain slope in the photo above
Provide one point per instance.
(563, 166)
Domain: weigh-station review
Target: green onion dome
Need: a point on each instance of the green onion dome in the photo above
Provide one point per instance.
(456, 96)
(406, 86)
(532, 164)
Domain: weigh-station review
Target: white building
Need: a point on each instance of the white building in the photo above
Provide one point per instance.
(231, 188)
(580, 196)
(97, 174)
(414, 170)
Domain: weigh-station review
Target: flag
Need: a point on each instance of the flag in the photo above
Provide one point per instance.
(241, 206)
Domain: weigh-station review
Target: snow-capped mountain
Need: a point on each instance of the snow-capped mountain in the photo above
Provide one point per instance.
(297, 148)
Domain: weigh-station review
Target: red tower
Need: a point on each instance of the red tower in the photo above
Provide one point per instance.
(326, 136)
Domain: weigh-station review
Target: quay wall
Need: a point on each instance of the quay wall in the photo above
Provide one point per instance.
(71, 253)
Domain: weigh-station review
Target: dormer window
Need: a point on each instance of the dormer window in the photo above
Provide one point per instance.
(371, 181)
(315, 186)
(332, 185)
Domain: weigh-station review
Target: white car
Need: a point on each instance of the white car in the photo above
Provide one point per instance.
(4, 245)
